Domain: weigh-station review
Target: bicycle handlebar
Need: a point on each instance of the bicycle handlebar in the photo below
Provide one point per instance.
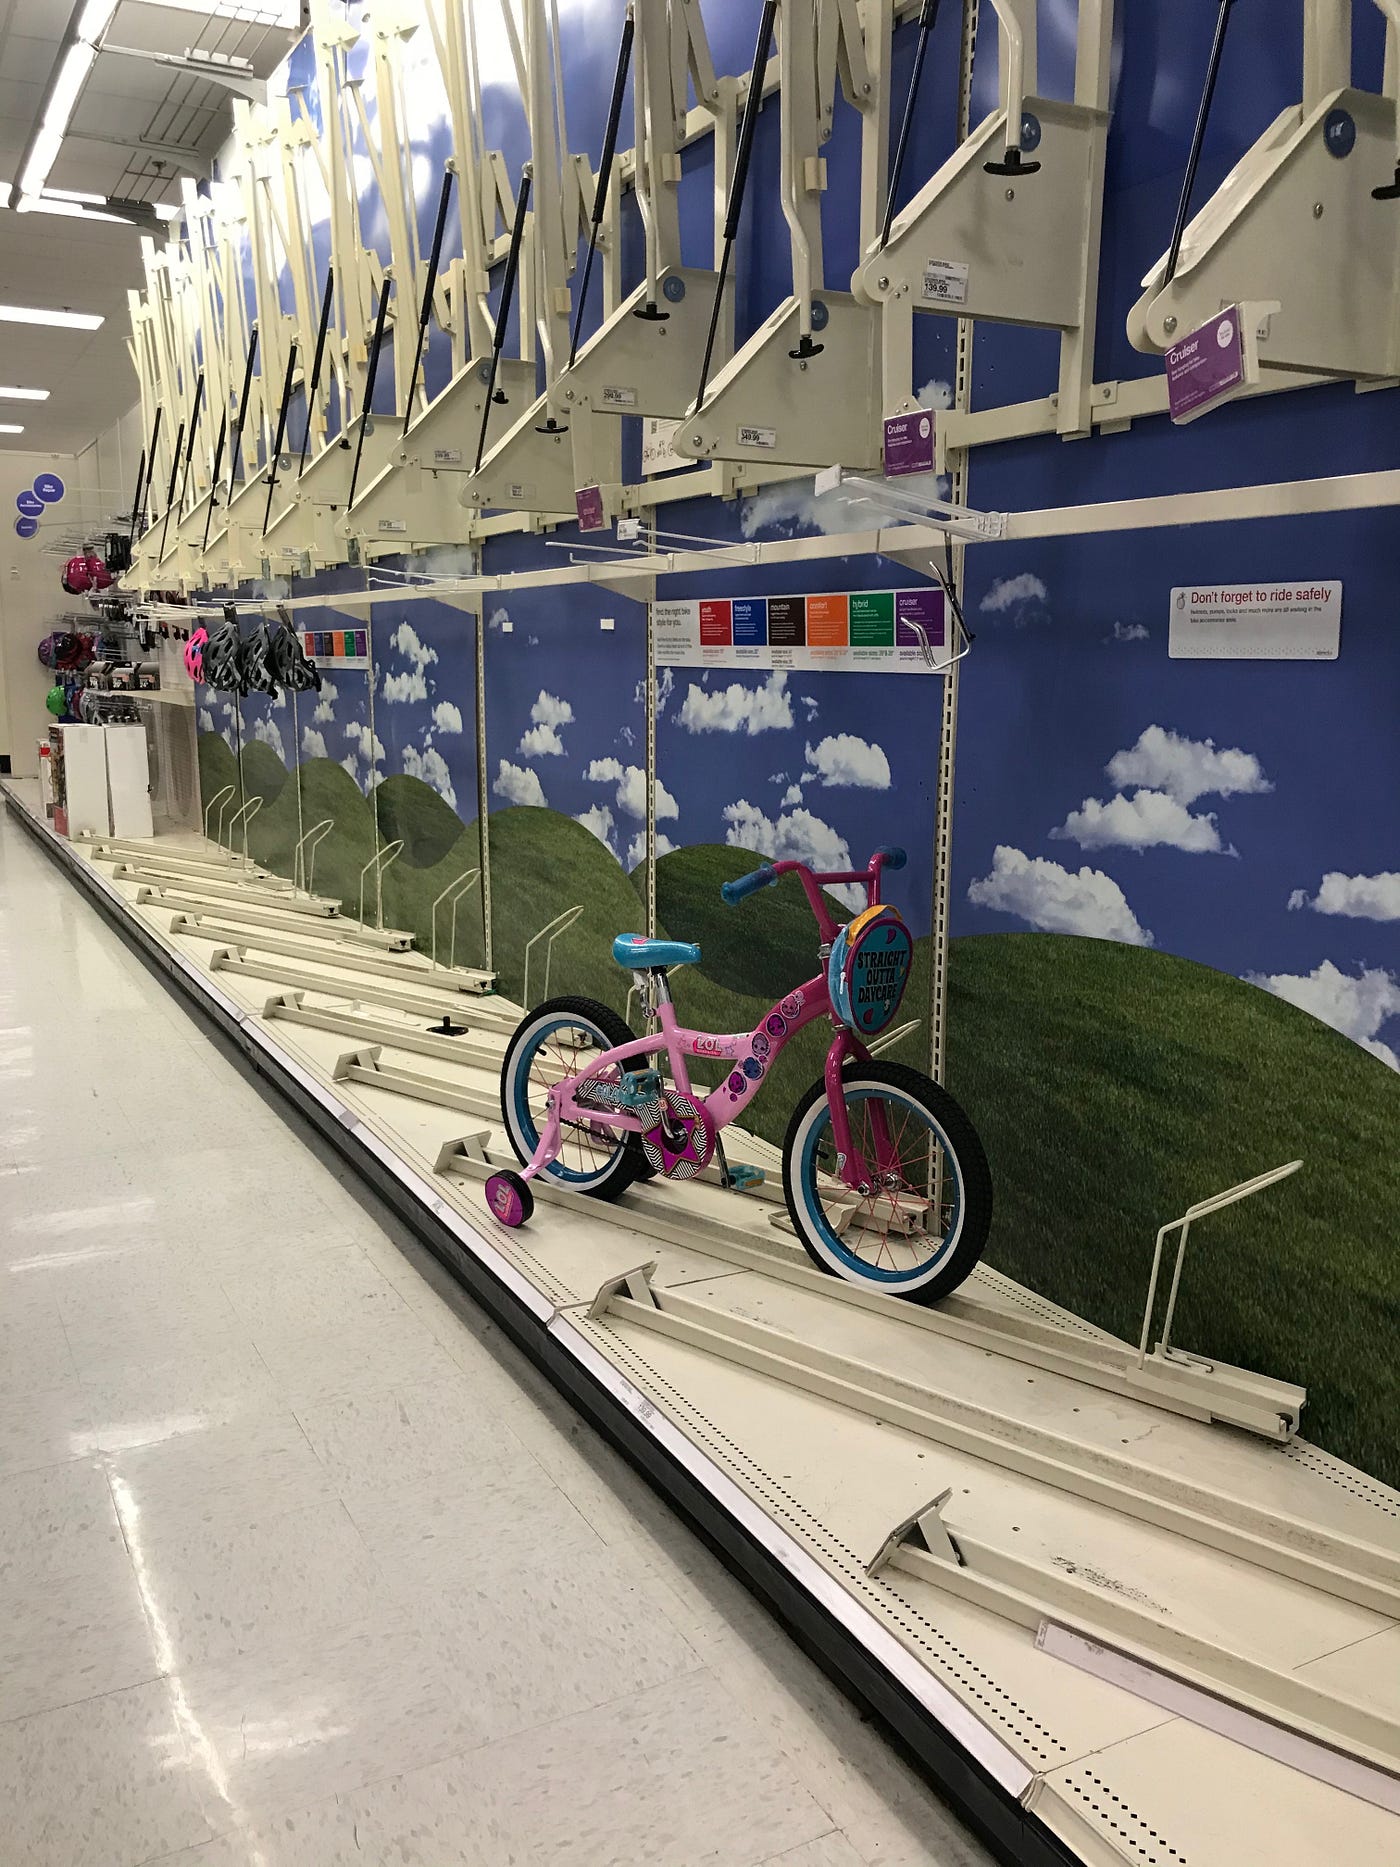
(889, 856)
(734, 892)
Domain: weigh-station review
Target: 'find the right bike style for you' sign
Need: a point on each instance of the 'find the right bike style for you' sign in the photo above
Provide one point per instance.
(853, 632)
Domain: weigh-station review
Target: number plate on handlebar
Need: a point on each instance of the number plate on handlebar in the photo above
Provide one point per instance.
(869, 969)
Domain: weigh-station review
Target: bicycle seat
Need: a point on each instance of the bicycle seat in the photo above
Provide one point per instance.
(638, 954)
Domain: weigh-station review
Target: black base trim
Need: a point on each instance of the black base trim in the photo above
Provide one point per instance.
(1006, 1828)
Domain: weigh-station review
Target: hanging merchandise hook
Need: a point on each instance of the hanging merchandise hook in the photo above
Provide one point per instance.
(150, 472)
(1013, 162)
(605, 162)
(276, 459)
(517, 235)
(318, 358)
(426, 310)
(748, 125)
(927, 17)
(376, 345)
(1198, 136)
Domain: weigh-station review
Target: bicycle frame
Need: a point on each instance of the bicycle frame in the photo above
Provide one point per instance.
(750, 1054)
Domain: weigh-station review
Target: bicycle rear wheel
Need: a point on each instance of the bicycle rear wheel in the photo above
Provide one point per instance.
(922, 1226)
(558, 1039)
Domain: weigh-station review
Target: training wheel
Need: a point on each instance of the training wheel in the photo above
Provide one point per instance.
(509, 1198)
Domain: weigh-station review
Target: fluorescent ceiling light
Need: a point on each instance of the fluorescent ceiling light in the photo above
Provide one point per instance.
(63, 94)
(8, 427)
(10, 394)
(45, 204)
(61, 320)
(97, 17)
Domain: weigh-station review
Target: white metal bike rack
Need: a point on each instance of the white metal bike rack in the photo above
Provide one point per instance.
(1308, 217)
(381, 860)
(451, 895)
(1163, 1350)
(304, 855)
(549, 934)
(804, 388)
(1008, 228)
(244, 815)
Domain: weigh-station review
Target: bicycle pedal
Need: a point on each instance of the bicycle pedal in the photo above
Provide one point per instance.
(743, 1177)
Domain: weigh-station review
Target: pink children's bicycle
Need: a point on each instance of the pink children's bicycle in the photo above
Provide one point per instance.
(885, 1179)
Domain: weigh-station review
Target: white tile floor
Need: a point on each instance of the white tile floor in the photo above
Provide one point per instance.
(300, 1564)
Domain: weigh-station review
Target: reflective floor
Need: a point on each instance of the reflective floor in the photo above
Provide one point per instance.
(300, 1564)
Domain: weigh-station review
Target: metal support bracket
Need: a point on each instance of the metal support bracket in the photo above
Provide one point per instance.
(635, 1284)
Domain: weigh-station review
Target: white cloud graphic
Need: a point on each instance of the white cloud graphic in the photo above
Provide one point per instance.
(1359, 897)
(599, 819)
(499, 619)
(665, 687)
(1357, 1005)
(271, 735)
(519, 784)
(1056, 900)
(325, 711)
(637, 848)
(206, 720)
(431, 767)
(843, 759)
(349, 763)
(627, 737)
(550, 710)
(1129, 632)
(313, 743)
(795, 836)
(1146, 820)
(793, 795)
(936, 394)
(447, 718)
(1186, 768)
(412, 684)
(1024, 594)
(631, 782)
(401, 688)
(738, 709)
(540, 742)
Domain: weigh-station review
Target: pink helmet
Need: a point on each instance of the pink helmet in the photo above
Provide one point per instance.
(194, 654)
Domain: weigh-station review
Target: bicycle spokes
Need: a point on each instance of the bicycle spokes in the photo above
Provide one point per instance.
(585, 1146)
(911, 1204)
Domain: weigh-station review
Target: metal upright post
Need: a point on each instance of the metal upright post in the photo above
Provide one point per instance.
(948, 719)
(483, 828)
(651, 770)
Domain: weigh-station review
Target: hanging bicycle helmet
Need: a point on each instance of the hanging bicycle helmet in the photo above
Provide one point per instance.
(223, 655)
(194, 654)
(257, 661)
(290, 663)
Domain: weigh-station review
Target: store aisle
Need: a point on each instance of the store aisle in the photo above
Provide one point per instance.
(300, 1563)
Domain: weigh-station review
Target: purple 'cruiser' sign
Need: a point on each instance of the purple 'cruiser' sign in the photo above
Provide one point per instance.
(589, 502)
(909, 443)
(1206, 368)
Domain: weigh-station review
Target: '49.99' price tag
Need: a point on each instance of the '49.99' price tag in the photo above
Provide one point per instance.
(945, 282)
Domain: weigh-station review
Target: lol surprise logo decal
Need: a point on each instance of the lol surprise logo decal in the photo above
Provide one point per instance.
(792, 1004)
(706, 1045)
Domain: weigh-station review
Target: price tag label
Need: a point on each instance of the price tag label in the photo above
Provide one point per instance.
(945, 282)
(757, 437)
(617, 395)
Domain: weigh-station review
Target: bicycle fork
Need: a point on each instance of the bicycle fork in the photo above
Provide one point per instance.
(860, 1175)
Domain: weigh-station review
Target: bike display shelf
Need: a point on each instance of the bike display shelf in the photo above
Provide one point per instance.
(1119, 1609)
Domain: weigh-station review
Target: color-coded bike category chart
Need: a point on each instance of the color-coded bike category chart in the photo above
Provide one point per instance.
(857, 631)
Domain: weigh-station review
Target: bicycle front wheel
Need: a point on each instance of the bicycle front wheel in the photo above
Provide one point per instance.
(922, 1226)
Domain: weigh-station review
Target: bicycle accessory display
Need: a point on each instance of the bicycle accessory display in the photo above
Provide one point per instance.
(869, 969)
(223, 658)
(194, 654)
(256, 661)
(289, 661)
